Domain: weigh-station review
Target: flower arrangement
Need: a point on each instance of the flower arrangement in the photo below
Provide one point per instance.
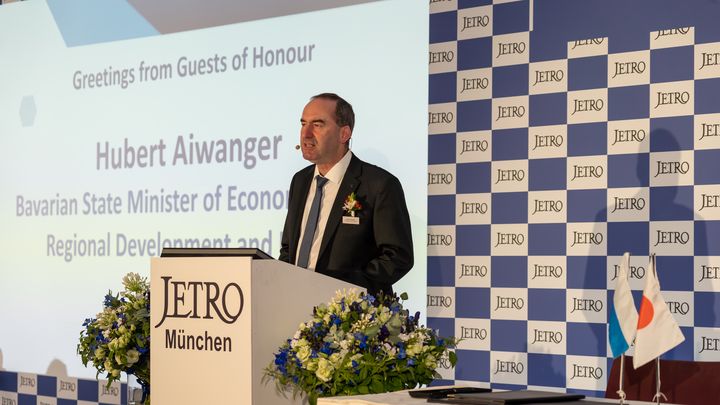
(118, 339)
(358, 344)
(351, 205)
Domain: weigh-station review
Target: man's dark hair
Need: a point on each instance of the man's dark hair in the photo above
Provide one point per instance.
(344, 114)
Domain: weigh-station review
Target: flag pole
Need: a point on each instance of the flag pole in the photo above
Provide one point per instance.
(658, 393)
(620, 391)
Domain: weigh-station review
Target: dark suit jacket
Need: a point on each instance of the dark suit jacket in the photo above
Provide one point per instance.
(374, 254)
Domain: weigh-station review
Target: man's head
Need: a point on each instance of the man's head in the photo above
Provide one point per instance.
(326, 128)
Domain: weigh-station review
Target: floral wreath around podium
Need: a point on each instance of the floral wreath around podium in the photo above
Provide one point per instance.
(358, 344)
(117, 340)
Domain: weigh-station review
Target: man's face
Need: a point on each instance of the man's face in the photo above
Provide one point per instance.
(321, 139)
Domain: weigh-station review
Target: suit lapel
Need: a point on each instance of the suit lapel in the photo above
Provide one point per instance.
(349, 184)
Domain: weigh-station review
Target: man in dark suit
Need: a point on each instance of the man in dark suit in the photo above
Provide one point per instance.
(346, 218)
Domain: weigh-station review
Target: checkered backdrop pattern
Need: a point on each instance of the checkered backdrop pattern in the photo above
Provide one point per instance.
(562, 134)
(36, 389)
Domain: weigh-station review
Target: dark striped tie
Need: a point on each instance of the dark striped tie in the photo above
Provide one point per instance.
(312, 222)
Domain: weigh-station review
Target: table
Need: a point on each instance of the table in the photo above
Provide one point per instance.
(403, 398)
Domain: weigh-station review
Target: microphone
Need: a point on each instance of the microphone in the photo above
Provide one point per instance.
(297, 147)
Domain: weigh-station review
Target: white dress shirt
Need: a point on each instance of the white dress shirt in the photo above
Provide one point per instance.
(330, 190)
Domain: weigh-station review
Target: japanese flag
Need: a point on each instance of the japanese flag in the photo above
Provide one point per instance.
(657, 331)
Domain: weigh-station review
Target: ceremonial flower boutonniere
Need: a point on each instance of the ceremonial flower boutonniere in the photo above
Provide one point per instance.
(352, 205)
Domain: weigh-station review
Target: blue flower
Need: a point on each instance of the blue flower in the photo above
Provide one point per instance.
(362, 339)
(410, 362)
(281, 358)
(325, 349)
(108, 300)
(88, 321)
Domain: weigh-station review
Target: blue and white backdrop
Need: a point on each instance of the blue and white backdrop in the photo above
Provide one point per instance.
(562, 134)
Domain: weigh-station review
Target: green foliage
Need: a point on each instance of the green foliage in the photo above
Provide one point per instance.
(359, 344)
(118, 338)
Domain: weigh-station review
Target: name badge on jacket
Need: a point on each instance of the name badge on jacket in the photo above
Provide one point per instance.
(351, 220)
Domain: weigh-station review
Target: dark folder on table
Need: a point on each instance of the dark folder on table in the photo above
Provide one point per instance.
(509, 397)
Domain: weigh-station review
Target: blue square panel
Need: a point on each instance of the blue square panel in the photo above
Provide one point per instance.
(546, 370)
(707, 309)
(472, 303)
(587, 205)
(506, 387)
(472, 240)
(548, 109)
(706, 99)
(443, 27)
(441, 87)
(509, 271)
(671, 134)
(441, 149)
(547, 174)
(587, 272)
(510, 81)
(629, 170)
(62, 401)
(707, 233)
(511, 17)
(683, 351)
(508, 336)
(473, 3)
(544, 50)
(47, 385)
(441, 271)
(473, 177)
(546, 304)
(509, 208)
(438, 382)
(587, 73)
(474, 53)
(587, 139)
(472, 365)
(672, 64)
(474, 115)
(629, 102)
(26, 399)
(586, 339)
(675, 273)
(633, 237)
(673, 203)
(441, 209)
(547, 239)
(445, 326)
(8, 381)
(510, 144)
(707, 166)
(87, 390)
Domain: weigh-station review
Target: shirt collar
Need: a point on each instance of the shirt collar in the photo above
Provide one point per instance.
(336, 174)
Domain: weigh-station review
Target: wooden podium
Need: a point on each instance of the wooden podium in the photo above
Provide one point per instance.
(217, 321)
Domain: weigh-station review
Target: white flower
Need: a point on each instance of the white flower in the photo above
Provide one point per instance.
(303, 354)
(133, 356)
(430, 361)
(324, 370)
